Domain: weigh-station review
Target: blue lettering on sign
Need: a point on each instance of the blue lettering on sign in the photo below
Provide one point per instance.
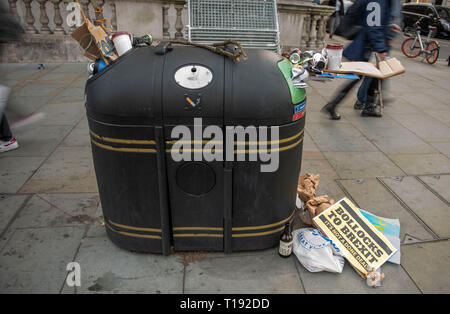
(300, 107)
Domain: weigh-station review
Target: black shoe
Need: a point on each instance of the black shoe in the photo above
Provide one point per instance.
(359, 105)
(372, 107)
(331, 110)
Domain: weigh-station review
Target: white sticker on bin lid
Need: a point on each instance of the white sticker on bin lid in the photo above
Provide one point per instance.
(193, 76)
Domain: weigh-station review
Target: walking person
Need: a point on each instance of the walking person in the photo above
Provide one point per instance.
(336, 18)
(395, 22)
(373, 16)
(10, 30)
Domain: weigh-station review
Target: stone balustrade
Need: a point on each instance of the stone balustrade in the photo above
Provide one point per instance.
(47, 37)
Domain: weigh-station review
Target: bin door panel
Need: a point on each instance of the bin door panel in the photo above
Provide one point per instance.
(195, 195)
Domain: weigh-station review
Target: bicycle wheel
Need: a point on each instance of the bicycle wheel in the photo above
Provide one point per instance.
(411, 48)
(433, 47)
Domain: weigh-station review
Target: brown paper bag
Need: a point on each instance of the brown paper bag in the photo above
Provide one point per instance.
(318, 204)
(307, 185)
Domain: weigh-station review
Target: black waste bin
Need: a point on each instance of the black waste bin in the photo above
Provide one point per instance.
(151, 202)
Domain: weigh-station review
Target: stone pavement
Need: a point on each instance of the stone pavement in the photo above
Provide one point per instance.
(397, 166)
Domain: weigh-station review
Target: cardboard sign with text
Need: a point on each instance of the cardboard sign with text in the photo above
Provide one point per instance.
(361, 243)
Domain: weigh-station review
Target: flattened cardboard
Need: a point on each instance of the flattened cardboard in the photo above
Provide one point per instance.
(387, 68)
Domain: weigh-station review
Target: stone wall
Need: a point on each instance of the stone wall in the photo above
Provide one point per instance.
(48, 39)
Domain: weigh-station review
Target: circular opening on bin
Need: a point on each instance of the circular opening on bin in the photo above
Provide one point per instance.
(196, 178)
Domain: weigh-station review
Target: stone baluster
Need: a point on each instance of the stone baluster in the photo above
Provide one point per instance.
(306, 31)
(114, 16)
(179, 22)
(313, 32)
(44, 17)
(29, 18)
(13, 7)
(57, 18)
(322, 31)
(166, 25)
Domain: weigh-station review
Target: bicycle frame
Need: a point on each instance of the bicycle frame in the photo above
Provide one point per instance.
(419, 37)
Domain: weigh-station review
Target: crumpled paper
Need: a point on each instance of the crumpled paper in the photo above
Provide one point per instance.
(318, 204)
(314, 205)
(307, 185)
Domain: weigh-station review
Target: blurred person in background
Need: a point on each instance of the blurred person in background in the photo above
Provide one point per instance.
(337, 15)
(395, 22)
(10, 30)
(374, 18)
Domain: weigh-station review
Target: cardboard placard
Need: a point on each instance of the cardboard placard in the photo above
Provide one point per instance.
(95, 41)
(386, 68)
(361, 243)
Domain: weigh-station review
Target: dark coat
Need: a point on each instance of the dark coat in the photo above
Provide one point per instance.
(373, 36)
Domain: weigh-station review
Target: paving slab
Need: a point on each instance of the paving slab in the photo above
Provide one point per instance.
(255, 273)
(441, 115)
(15, 171)
(75, 67)
(69, 94)
(427, 264)
(400, 106)
(63, 113)
(79, 136)
(349, 282)
(9, 206)
(443, 147)
(342, 137)
(439, 183)
(369, 194)
(67, 170)
(106, 268)
(424, 126)
(38, 140)
(418, 164)
(350, 165)
(39, 90)
(35, 260)
(57, 210)
(429, 208)
(423, 101)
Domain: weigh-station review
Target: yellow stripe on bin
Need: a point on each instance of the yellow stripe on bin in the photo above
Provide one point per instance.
(135, 235)
(264, 226)
(124, 149)
(280, 149)
(122, 141)
(134, 228)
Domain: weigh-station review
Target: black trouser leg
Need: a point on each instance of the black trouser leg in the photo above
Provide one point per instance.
(5, 131)
(373, 87)
(342, 93)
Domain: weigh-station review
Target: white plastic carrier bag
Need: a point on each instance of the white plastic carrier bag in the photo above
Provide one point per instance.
(315, 252)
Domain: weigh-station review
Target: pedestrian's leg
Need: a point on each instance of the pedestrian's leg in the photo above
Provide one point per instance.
(372, 107)
(362, 93)
(5, 131)
(332, 25)
(331, 106)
